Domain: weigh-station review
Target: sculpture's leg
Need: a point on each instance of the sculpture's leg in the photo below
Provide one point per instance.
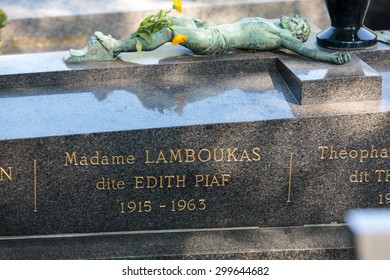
(383, 36)
(128, 44)
(103, 47)
(300, 48)
(94, 51)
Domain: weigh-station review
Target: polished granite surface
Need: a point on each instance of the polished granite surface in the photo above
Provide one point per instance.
(307, 70)
(164, 102)
(219, 99)
(165, 88)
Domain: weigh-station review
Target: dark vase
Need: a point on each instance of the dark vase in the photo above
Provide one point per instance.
(347, 30)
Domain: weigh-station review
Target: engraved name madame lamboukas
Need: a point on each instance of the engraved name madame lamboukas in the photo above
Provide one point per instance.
(168, 156)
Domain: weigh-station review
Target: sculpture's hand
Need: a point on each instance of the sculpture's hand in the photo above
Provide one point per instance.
(341, 57)
(297, 46)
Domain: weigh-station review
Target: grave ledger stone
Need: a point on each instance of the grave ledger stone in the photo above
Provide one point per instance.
(190, 157)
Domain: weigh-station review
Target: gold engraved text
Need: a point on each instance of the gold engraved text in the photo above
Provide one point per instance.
(5, 174)
(382, 175)
(175, 205)
(384, 199)
(168, 181)
(136, 207)
(35, 186)
(207, 180)
(202, 155)
(110, 184)
(359, 177)
(188, 205)
(97, 159)
(330, 152)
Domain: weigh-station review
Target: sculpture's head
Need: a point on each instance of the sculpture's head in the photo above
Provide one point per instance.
(299, 26)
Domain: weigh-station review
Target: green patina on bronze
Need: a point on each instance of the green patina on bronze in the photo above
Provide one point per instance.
(209, 39)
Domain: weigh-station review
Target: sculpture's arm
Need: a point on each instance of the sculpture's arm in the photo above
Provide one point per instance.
(298, 47)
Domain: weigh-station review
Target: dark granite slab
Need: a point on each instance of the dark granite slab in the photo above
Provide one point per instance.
(48, 69)
(317, 83)
(320, 83)
(325, 242)
(285, 172)
(276, 163)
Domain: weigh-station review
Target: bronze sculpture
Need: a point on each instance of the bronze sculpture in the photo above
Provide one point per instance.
(206, 38)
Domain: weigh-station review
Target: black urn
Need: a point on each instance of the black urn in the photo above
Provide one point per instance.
(347, 30)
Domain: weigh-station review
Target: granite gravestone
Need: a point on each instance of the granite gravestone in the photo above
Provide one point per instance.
(214, 153)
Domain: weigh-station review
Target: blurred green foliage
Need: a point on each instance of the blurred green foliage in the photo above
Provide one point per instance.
(3, 18)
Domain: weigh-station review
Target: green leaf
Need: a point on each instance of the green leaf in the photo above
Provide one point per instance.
(160, 15)
(157, 27)
(151, 25)
(138, 46)
(145, 21)
(146, 37)
(147, 25)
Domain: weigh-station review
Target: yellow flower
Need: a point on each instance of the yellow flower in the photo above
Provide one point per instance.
(179, 38)
(177, 5)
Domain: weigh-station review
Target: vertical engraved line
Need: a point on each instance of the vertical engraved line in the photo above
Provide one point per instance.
(290, 179)
(35, 186)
